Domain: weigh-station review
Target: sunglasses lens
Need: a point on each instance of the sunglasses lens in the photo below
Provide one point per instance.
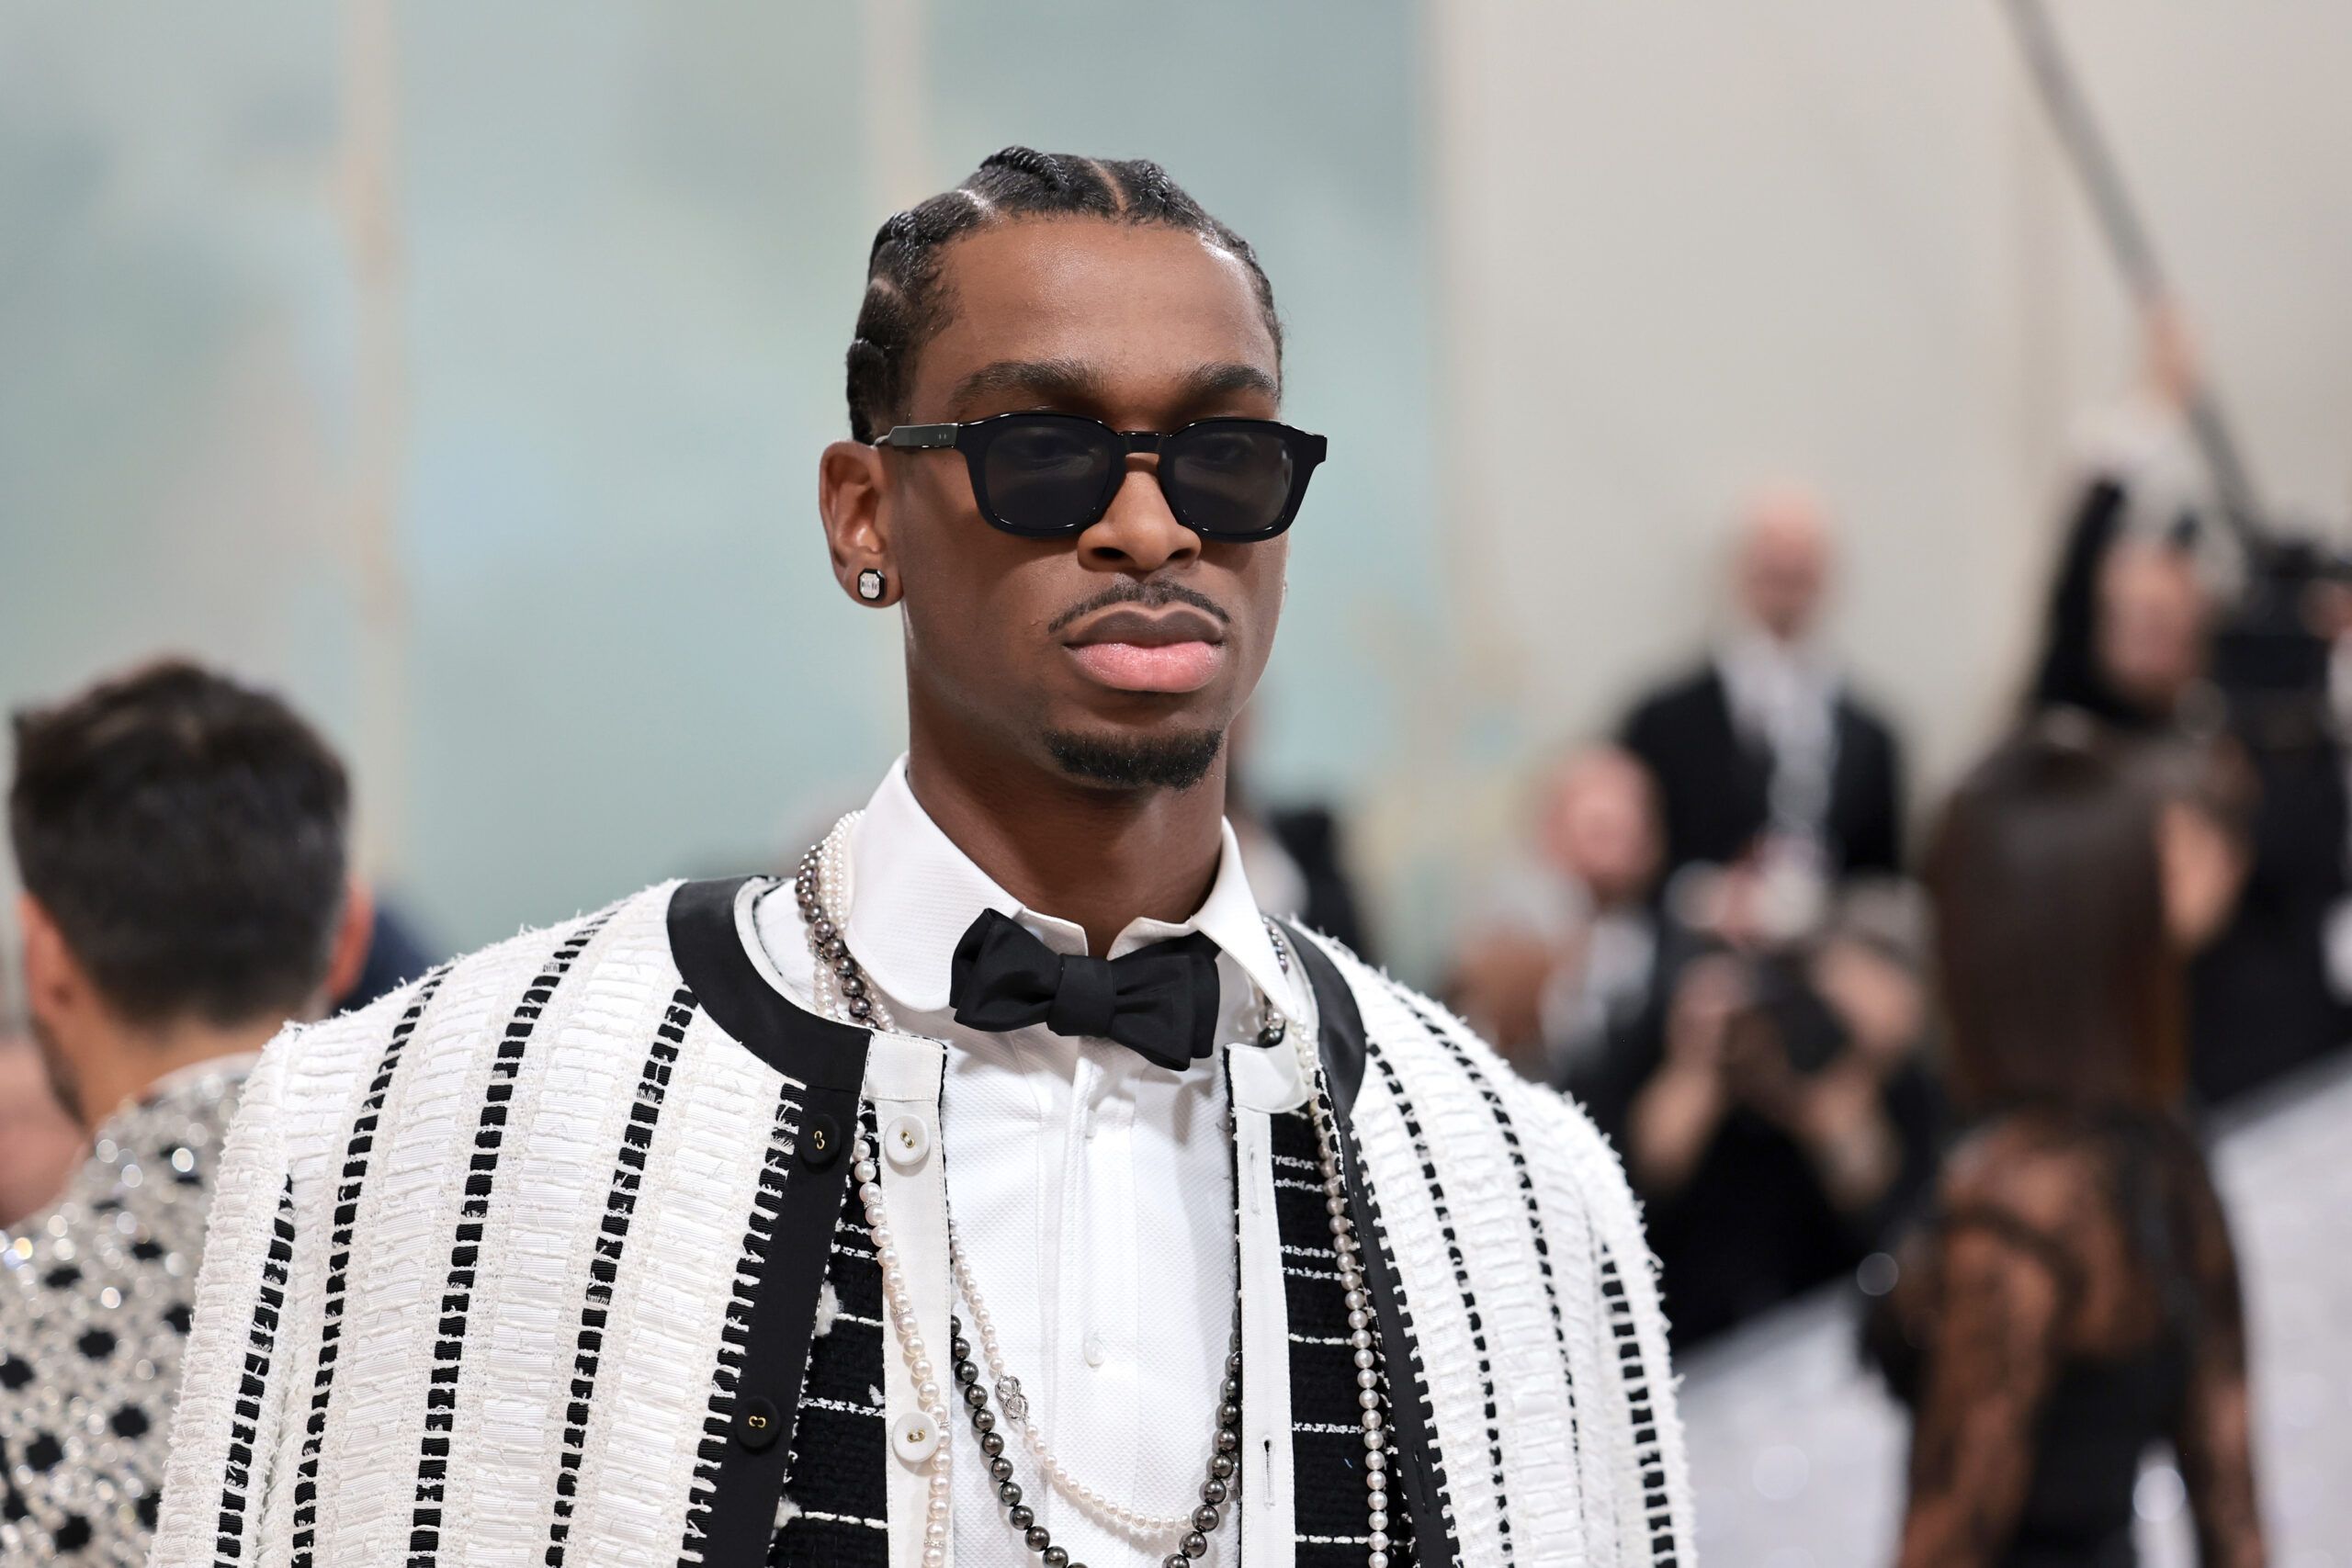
(1048, 474)
(1229, 478)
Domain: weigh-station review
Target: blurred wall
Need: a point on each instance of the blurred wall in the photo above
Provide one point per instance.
(463, 369)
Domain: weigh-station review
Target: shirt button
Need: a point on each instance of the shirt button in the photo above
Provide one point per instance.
(905, 1143)
(913, 1438)
(1095, 1351)
(821, 1141)
(758, 1423)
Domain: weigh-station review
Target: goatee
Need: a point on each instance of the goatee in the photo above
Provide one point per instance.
(1158, 761)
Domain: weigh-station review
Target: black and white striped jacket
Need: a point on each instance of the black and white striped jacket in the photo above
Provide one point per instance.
(550, 1258)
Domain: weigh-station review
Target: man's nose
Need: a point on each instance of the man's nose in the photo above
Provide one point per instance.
(1140, 533)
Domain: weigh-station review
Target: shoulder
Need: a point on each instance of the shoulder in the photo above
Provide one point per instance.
(2025, 1167)
(1672, 702)
(462, 1006)
(1865, 717)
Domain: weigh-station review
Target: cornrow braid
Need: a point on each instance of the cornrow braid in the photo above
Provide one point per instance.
(905, 304)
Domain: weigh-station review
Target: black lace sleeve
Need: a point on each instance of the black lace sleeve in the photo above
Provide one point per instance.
(2212, 1436)
(1987, 1352)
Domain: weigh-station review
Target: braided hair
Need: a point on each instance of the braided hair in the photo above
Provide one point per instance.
(905, 306)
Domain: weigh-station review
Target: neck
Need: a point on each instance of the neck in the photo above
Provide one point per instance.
(1096, 856)
(119, 1069)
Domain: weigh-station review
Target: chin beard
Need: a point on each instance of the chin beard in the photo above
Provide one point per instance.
(1160, 762)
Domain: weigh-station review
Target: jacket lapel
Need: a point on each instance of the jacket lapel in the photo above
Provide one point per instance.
(1328, 1468)
(799, 1233)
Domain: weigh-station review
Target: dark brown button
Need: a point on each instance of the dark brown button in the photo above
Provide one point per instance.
(758, 1423)
(821, 1141)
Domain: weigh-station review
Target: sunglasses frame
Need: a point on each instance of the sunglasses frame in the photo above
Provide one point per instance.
(974, 437)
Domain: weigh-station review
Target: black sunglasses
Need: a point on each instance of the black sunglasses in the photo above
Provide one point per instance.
(1048, 475)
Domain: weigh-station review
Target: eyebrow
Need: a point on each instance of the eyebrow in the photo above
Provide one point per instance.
(1074, 381)
(1059, 381)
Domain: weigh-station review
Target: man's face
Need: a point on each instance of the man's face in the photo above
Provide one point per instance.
(2152, 612)
(1114, 655)
(1783, 560)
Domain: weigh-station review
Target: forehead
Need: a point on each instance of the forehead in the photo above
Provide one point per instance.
(1141, 306)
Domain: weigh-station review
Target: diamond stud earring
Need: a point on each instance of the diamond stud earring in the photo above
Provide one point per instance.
(869, 585)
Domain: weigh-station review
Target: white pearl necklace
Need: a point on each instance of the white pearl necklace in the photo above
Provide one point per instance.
(929, 1395)
(841, 988)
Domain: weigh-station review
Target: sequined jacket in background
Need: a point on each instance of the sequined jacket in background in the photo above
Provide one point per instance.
(94, 1299)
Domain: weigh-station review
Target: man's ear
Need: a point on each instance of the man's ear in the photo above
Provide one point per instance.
(852, 498)
(54, 983)
(355, 933)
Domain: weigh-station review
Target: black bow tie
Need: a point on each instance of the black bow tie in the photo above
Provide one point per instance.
(1159, 1001)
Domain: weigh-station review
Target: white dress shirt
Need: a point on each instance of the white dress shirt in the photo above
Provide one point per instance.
(1092, 1189)
(1785, 695)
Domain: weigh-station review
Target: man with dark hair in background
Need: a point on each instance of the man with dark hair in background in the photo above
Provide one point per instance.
(180, 840)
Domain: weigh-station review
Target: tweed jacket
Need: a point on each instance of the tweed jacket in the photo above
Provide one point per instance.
(552, 1258)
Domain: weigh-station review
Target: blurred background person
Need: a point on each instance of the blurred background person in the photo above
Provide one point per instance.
(1773, 1109)
(1568, 956)
(1763, 756)
(39, 1142)
(181, 843)
(2072, 1297)
(1295, 853)
(2137, 632)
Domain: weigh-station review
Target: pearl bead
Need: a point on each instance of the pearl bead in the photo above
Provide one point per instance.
(1376, 1559)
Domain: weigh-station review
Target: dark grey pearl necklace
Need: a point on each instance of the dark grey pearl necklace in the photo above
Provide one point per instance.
(1214, 1491)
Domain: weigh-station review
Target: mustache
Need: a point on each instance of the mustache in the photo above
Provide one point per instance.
(1152, 594)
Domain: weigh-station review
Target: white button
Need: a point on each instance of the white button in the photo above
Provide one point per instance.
(913, 1438)
(905, 1142)
(1094, 1349)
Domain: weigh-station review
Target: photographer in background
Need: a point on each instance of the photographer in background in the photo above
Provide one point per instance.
(2141, 637)
(181, 843)
(1774, 1114)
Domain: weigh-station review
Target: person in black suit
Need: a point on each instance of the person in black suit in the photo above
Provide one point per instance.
(1762, 753)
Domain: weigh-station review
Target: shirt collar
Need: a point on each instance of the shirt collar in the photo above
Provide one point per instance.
(912, 893)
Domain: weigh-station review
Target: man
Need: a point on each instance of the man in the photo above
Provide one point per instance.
(39, 1144)
(180, 839)
(1002, 1186)
(1569, 958)
(1763, 755)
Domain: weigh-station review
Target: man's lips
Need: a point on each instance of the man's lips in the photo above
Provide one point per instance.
(1129, 649)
